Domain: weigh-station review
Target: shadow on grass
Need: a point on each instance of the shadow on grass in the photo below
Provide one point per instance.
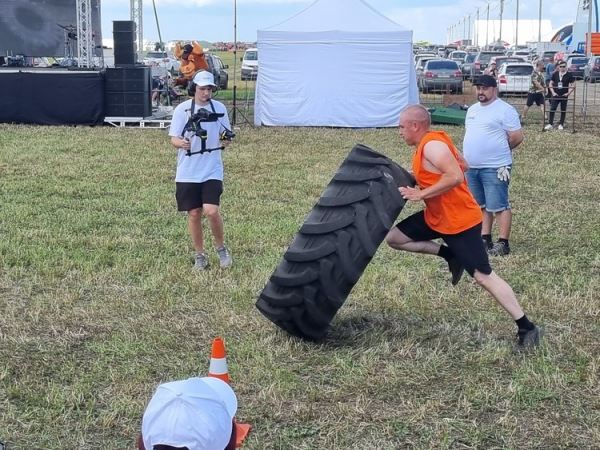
(363, 330)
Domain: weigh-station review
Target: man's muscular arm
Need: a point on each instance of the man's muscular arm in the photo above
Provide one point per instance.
(437, 157)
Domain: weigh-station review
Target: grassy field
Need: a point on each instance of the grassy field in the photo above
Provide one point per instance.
(99, 302)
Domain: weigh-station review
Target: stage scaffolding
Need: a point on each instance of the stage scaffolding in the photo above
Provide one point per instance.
(85, 38)
(137, 14)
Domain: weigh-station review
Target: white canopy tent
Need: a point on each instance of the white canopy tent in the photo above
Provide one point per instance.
(337, 63)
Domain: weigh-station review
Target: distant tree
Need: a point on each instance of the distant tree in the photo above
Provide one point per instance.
(159, 47)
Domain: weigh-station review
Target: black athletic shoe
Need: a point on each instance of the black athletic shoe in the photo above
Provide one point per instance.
(530, 338)
(487, 244)
(456, 269)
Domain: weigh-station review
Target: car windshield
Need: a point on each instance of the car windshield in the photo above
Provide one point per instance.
(470, 58)
(251, 56)
(441, 65)
(156, 55)
(579, 60)
(485, 57)
(519, 70)
(457, 55)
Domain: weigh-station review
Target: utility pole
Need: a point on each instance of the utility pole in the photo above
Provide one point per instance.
(540, 23)
(501, 11)
(469, 31)
(476, 30)
(588, 41)
(517, 30)
(487, 25)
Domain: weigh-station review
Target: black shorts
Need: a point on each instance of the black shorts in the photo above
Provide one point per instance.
(467, 245)
(194, 195)
(537, 98)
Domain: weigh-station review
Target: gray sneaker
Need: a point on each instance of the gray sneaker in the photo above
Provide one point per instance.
(201, 262)
(499, 249)
(225, 259)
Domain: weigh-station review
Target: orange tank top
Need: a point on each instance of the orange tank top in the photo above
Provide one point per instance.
(453, 211)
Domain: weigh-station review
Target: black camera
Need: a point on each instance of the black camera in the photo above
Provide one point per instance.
(202, 115)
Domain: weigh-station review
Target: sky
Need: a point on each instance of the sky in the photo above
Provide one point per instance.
(213, 20)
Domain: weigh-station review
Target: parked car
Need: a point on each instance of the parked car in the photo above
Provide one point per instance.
(591, 72)
(419, 67)
(548, 56)
(480, 63)
(576, 66)
(499, 60)
(161, 60)
(250, 64)
(441, 75)
(216, 66)
(514, 78)
(525, 54)
(458, 56)
(424, 55)
(465, 67)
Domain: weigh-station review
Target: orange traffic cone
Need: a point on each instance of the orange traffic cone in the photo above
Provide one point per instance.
(218, 361)
(218, 369)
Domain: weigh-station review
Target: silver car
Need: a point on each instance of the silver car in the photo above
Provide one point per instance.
(441, 75)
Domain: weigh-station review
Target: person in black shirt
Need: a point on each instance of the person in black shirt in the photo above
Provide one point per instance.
(560, 88)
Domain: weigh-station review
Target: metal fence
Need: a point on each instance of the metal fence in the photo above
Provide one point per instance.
(582, 108)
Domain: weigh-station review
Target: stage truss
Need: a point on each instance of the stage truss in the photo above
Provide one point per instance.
(136, 14)
(85, 38)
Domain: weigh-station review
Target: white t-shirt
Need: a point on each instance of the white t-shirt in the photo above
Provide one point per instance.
(486, 142)
(199, 167)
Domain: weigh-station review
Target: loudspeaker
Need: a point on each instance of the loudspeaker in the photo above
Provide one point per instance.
(128, 79)
(128, 92)
(127, 104)
(124, 25)
(124, 39)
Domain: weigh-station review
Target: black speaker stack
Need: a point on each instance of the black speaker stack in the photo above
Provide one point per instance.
(124, 40)
(127, 86)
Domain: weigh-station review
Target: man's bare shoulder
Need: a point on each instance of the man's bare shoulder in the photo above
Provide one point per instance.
(436, 147)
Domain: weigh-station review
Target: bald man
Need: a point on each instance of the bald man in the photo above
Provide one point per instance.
(451, 214)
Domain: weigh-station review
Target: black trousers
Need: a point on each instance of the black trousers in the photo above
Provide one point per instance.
(554, 102)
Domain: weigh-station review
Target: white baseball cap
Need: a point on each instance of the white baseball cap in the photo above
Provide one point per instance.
(204, 78)
(196, 413)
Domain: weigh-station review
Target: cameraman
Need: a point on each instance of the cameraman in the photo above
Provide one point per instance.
(199, 177)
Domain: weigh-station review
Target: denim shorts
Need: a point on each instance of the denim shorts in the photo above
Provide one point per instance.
(490, 192)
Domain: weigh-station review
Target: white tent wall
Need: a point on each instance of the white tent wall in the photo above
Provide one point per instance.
(320, 69)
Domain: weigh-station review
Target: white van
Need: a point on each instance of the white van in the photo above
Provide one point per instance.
(250, 64)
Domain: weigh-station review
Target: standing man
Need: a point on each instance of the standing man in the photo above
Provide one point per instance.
(199, 177)
(492, 131)
(451, 214)
(560, 88)
(537, 90)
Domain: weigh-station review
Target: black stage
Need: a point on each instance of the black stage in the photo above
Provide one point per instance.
(51, 96)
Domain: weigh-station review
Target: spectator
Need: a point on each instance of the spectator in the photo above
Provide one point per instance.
(491, 70)
(492, 131)
(560, 89)
(537, 90)
(192, 414)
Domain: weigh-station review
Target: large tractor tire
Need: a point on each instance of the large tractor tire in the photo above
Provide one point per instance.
(333, 247)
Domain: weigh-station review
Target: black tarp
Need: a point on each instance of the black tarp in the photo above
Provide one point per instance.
(52, 98)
